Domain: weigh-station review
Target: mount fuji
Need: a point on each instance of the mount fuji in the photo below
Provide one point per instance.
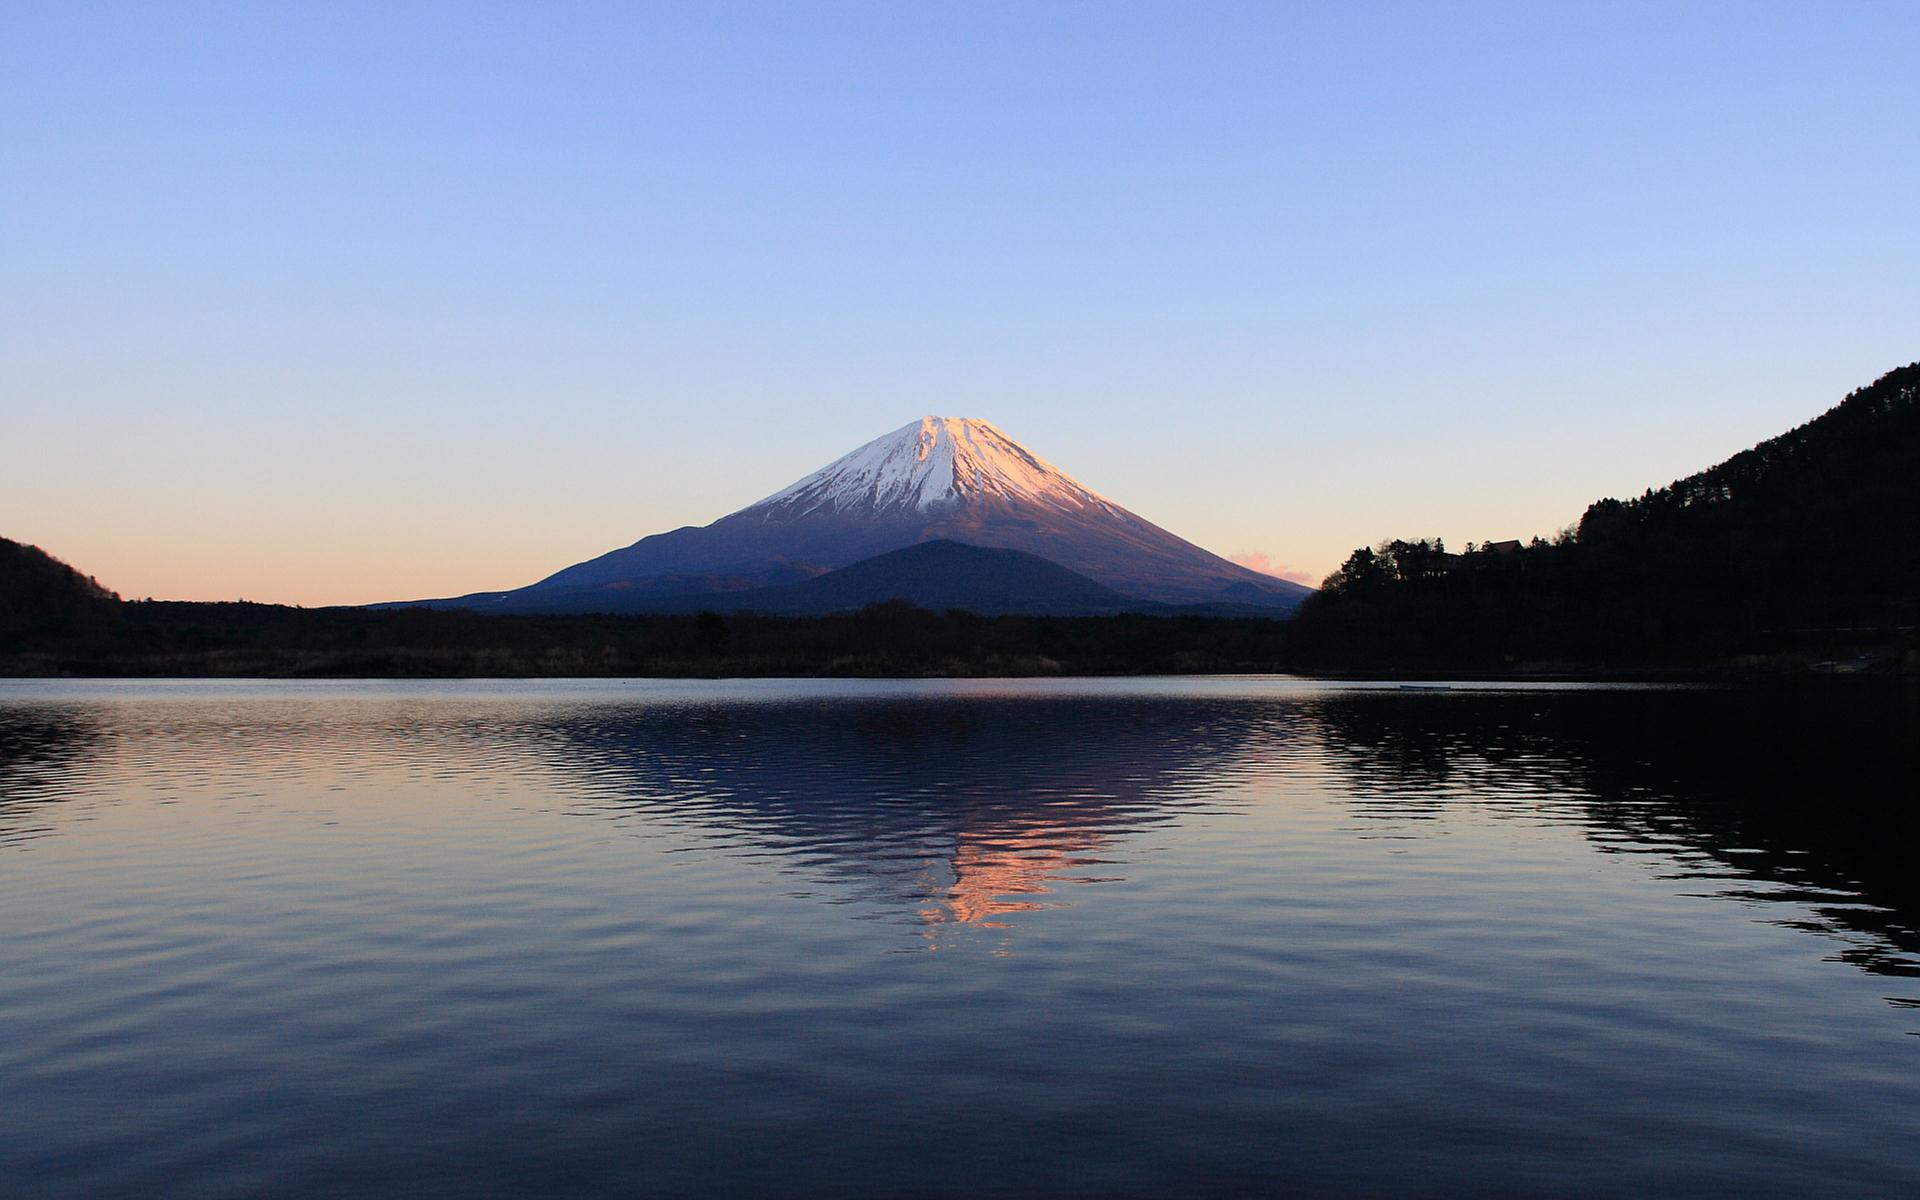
(938, 479)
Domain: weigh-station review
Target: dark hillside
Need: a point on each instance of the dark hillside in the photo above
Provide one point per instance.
(39, 592)
(946, 574)
(1807, 544)
(936, 575)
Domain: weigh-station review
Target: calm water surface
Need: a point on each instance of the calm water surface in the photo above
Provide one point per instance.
(956, 939)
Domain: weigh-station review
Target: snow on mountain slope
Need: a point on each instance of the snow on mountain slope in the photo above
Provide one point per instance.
(932, 463)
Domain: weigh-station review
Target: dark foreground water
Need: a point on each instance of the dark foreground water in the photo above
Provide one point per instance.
(956, 939)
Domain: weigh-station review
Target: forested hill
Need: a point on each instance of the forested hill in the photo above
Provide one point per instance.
(1809, 543)
(38, 591)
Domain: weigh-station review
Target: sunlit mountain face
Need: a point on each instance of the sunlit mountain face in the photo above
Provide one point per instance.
(938, 478)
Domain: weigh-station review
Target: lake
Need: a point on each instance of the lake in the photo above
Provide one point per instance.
(1070, 938)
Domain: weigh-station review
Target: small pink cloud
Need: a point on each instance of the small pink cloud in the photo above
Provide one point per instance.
(1256, 561)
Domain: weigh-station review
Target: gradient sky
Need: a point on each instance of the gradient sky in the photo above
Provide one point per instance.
(340, 303)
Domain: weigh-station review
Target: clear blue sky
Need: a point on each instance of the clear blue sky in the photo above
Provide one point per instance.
(334, 302)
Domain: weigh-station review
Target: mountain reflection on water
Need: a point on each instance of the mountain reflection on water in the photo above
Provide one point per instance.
(975, 811)
(1811, 792)
(953, 813)
(1211, 937)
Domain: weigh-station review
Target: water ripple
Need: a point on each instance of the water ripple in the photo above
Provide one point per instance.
(1082, 937)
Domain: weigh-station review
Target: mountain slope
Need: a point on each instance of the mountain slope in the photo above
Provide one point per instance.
(936, 575)
(936, 478)
(945, 574)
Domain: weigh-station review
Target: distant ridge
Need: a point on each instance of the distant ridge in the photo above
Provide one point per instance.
(968, 610)
(934, 479)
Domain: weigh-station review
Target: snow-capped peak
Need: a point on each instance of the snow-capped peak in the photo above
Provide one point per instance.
(932, 463)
